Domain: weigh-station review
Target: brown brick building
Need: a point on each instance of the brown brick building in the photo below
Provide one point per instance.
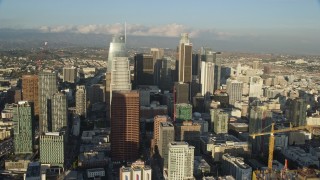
(30, 91)
(157, 120)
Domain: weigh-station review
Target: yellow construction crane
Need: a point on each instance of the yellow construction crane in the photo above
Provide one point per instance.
(271, 138)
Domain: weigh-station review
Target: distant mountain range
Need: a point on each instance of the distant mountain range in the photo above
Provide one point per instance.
(27, 39)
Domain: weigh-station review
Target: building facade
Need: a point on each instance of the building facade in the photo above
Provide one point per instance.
(81, 101)
(166, 136)
(220, 121)
(236, 167)
(181, 161)
(144, 69)
(183, 112)
(234, 90)
(30, 91)
(23, 118)
(125, 137)
(59, 109)
(69, 74)
(117, 49)
(52, 148)
(207, 73)
(185, 59)
(47, 87)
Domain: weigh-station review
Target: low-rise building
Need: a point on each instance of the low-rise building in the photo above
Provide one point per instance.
(236, 167)
(217, 145)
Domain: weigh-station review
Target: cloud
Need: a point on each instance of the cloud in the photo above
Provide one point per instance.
(167, 30)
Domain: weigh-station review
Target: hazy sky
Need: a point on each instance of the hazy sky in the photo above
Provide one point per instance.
(285, 20)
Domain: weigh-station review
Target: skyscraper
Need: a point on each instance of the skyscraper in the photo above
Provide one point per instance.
(47, 87)
(125, 136)
(185, 59)
(181, 159)
(220, 121)
(23, 118)
(81, 101)
(156, 130)
(157, 54)
(166, 74)
(52, 148)
(30, 91)
(296, 111)
(182, 92)
(166, 135)
(117, 49)
(59, 111)
(120, 74)
(260, 118)
(144, 69)
(217, 71)
(207, 73)
(69, 74)
(96, 93)
(234, 90)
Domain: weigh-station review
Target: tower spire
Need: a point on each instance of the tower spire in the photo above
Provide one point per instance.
(125, 32)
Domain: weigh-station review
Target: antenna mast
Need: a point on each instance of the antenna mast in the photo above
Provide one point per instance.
(125, 32)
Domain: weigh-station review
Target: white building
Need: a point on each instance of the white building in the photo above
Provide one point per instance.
(181, 161)
(120, 74)
(137, 171)
(255, 86)
(207, 73)
(234, 90)
(81, 101)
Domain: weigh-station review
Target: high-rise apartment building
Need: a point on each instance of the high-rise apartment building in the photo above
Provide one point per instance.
(23, 118)
(59, 109)
(30, 91)
(234, 90)
(120, 74)
(296, 111)
(47, 87)
(166, 136)
(207, 73)
(125, 136)
(181, 161)
(260, 118)
(70, 74)
(117, 49)
(156, 129)
(220, 121)
(185, 59)
(81, 101)
(52, 148)
(144, 69)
